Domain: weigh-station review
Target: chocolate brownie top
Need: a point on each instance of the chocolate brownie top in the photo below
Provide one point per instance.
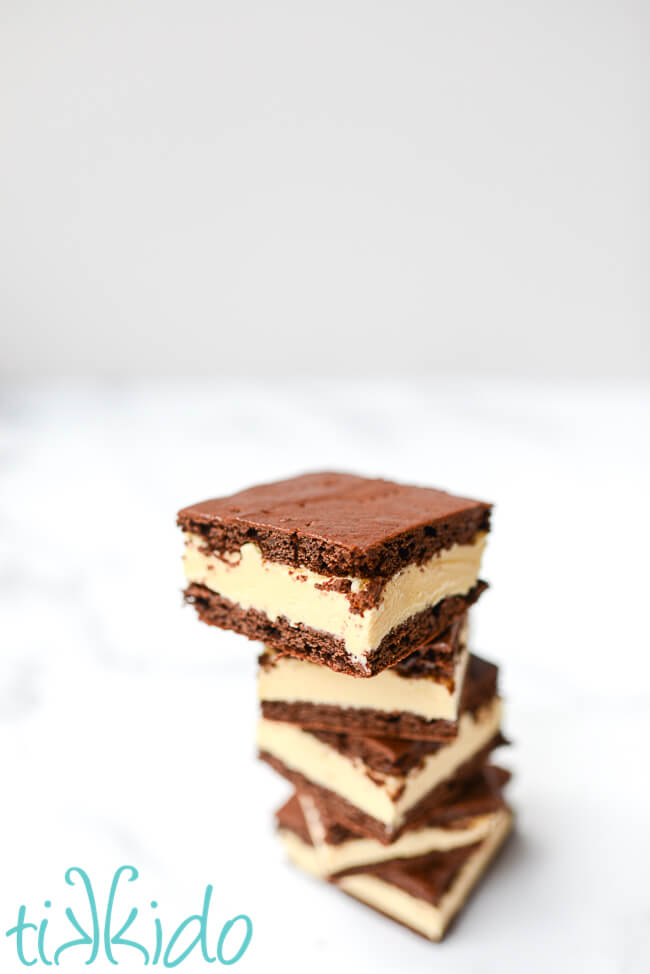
(338, 524)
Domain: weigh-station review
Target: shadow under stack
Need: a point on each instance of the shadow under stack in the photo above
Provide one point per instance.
(373, 706)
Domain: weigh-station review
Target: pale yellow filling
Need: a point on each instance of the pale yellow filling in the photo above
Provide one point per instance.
(330, 859)
(303, 855)
(427, 919)
(293, 681)
(385, 797)
(248, 579)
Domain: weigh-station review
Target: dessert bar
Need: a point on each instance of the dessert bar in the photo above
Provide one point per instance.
(346, 571)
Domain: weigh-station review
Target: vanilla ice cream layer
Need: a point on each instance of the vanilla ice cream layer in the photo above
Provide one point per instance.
(330, 859)
(251, 581)
(428, 919)
(386, 798)
(298, 681)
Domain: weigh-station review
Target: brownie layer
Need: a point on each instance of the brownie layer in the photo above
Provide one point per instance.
(480, 684)
(362, 823)
(469, 794)
(338, 524)
(360, 720)
(437, 657)
(321, 647)
(427, 877)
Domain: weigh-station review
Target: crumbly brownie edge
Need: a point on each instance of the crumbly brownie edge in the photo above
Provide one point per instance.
(380, 561)
(321, 647)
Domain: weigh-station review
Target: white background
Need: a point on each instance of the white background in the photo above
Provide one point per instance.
(244, 240)
(348, 186)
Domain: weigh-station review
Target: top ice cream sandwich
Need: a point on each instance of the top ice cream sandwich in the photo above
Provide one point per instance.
(342, 570)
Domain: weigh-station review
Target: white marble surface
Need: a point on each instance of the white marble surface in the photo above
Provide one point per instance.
(127, 728)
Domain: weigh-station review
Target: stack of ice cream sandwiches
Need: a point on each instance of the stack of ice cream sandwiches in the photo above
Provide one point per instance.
(373, 706)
